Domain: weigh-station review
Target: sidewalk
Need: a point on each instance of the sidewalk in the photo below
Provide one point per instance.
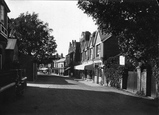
(101, 87)
(87, 82)
(110, 89)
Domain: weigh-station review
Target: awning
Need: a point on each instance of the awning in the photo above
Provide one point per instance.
(79, 67)
(97, 61)
(82, 66)
(89, 67)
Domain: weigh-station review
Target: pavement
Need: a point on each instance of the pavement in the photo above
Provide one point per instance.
(111, 89)
(61, 95)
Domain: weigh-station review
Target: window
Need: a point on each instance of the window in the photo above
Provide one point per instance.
(86, 57)
(82, 56)
(2, 14)
(62, 65)
(91, 53)
(97, 50)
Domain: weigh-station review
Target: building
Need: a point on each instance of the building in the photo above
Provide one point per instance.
(58, 67)
(72, 58)
(100, 47)
(95, 49)
(4, 10)
(12, 78)
(110, 48)
(11, 54)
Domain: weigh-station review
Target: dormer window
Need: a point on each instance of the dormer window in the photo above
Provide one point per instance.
(2, 14)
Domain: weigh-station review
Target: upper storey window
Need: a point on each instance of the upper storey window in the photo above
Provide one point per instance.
(2, 14)
(98, 48)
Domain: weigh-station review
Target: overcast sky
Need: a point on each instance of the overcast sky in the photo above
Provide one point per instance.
(64, 17)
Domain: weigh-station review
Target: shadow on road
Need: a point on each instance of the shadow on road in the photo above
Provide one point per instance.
(63, 96)
(53, 79)
(53, 101)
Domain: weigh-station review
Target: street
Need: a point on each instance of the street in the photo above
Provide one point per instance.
(55, 95)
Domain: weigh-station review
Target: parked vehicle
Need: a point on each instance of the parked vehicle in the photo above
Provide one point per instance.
(43, 70)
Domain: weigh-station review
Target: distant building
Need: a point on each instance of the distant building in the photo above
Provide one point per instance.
(58, 66)
(72, 58)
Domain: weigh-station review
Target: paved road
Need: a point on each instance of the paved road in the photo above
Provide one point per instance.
(54, 95)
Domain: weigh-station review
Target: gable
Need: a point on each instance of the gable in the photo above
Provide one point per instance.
(104, 36)
(94, 38)
(98, 39)
(90, 42)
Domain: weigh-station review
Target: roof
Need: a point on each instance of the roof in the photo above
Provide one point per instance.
(104, 36)
(86, 45)
(94, 37)
(89, 43)
(11, 44)
(82, 45)
(5, 5)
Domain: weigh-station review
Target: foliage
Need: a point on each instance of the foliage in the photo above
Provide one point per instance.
(34, 36)
(113, 71)
(135, 23)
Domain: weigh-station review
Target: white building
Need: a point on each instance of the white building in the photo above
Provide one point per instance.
(59, 66)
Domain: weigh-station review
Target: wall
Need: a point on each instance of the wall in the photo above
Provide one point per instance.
(132, 81)
(153, 87)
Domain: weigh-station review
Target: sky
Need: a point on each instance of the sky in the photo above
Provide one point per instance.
(64, 17)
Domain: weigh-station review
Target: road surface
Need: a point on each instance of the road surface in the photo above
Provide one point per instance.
(55, 95)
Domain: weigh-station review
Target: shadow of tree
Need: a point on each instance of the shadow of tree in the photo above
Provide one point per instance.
(78, 102)
(53, 79)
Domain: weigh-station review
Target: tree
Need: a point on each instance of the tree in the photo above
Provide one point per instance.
(134, 22)
(34, 36)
